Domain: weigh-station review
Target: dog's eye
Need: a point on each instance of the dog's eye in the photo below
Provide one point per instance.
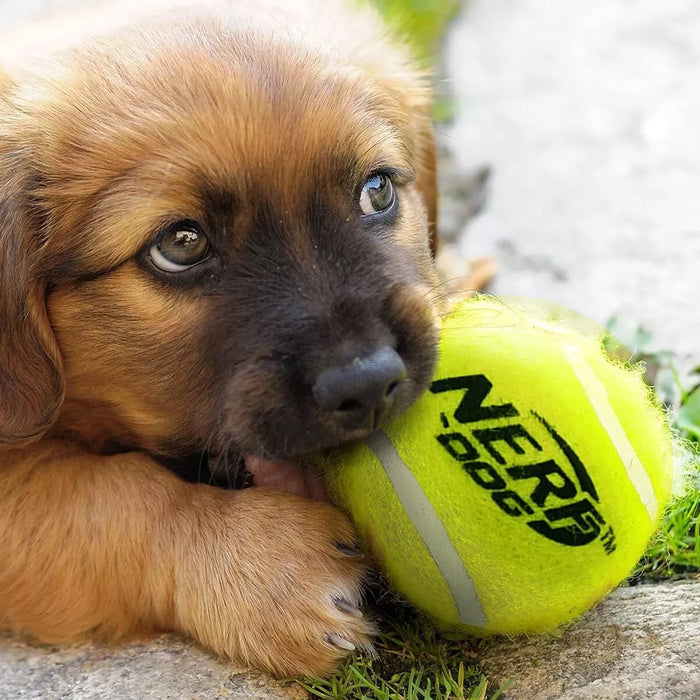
(377, 194)
(179, 247)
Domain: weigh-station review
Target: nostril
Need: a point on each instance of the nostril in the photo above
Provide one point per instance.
(349, 405)
(392, 388)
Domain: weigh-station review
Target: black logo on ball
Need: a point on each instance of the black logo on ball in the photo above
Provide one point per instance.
(502, 451)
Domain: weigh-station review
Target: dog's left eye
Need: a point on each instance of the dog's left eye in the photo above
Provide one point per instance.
(179, 247)
(377, 194)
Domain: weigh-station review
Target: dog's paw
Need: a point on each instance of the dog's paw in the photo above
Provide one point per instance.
(273, 580)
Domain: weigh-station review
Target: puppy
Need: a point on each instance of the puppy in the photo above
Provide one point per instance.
(215, 244)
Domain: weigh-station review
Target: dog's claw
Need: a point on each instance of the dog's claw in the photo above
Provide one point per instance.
(347, 607)
(340, 642)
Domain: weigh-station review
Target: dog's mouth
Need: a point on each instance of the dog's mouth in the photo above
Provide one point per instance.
(251, 471)
(281, 475)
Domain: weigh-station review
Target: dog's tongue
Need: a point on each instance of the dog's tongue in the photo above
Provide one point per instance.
(286, 476)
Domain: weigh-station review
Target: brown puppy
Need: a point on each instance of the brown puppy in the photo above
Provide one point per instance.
(214, 239)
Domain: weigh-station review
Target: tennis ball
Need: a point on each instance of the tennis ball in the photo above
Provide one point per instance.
(522, 486)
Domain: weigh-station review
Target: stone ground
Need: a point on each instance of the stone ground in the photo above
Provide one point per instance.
(586, 114)
(640, 643)
(166, 668)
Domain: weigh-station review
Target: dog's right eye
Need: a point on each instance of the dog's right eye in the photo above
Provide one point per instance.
(179, 248)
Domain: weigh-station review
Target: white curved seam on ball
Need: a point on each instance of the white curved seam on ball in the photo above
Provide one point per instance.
(598, 396)
(430, 528)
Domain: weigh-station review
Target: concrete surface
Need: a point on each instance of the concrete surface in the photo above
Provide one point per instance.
(641, 643)
(166, 668)
(587, 113)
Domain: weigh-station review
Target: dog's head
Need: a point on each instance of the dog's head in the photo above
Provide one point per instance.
(214, 236)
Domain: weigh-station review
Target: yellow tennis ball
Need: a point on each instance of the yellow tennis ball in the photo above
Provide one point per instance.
(523, 485)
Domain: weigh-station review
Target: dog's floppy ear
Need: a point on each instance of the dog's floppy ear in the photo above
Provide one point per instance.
(31, 383)
(426, 180)
(416, 99)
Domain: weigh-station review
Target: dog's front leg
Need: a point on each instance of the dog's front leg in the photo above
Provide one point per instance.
(112, 546)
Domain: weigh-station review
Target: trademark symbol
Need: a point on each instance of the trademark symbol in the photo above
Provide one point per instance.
(607, 539)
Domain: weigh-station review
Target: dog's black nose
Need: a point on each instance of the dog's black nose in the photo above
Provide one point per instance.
(361, 393)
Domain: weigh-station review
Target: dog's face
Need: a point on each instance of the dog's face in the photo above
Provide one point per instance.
(201, 232)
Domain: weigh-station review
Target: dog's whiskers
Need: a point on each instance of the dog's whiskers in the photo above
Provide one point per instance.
(205, 457)
(443, 292)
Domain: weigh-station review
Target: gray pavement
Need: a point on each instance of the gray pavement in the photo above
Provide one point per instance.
(165, 668)
(640, 643)
(588, 114)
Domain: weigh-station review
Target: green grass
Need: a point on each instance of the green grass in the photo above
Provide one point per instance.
(675, 549)
(413, 662)
(688, 418)
(421, 22)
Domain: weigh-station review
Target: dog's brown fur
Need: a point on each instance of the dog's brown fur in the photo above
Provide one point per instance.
(262, 133)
